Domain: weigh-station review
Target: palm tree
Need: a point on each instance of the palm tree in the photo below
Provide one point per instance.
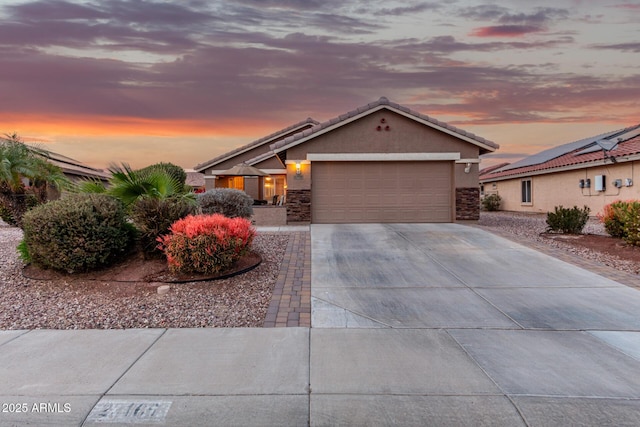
(129, 185)
(24, 172)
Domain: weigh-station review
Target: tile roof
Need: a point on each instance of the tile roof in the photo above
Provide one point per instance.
(67, 164)
(374, 106)
(195, 179)
(613, 145)
(256, 143)
(73, 167)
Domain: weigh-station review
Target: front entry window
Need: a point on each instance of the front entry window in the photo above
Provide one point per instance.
(273, 186)
(236, 182)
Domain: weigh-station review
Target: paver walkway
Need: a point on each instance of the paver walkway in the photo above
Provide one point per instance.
(291, 301)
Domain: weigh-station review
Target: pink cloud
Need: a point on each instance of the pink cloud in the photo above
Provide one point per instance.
(505, 30)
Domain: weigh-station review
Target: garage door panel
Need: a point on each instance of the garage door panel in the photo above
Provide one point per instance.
(381, 192)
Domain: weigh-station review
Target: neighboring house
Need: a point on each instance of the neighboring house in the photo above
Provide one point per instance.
(379, 163)
(75, 170)
(195, 180)
(593, 171)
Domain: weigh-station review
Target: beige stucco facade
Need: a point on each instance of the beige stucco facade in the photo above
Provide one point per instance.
(404, 136)
(563, 188)
(378, 163)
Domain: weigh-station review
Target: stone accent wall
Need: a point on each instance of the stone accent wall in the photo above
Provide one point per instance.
(468, 203)
(298, 205)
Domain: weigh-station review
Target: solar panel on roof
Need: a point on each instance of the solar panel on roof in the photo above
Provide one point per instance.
(554, 152)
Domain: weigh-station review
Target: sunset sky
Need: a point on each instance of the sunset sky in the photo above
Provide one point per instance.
(142, 81)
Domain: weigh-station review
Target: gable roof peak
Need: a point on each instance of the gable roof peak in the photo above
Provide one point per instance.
(382, 102)
(308, 122)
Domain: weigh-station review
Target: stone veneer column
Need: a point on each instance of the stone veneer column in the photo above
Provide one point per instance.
(298, 205)
(468, 203)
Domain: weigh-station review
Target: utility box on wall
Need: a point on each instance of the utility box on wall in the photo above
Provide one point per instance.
(600, 184)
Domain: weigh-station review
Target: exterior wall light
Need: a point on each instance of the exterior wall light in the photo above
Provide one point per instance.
(298, 171)
(467, 169)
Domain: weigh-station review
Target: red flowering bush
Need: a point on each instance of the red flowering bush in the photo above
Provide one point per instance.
(622, 219)
(206, 244)
(613, 217)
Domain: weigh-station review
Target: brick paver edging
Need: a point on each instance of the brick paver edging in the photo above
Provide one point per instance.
(291, 300)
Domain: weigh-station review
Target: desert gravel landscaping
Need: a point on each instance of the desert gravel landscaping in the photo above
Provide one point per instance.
(240, 301)
(595, 244)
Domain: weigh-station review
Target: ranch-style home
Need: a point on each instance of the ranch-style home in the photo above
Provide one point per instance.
(382, 162)
(594, 171)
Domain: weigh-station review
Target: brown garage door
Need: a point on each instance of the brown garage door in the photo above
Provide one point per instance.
(343, 192)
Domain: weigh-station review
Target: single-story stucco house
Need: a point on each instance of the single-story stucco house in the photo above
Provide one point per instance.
(75, 170)
(594, 171)
(382, 162)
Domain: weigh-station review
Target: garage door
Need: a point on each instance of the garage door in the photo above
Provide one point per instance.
(343, 192)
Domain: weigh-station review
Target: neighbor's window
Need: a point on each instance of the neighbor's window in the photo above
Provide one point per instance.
(526, 190)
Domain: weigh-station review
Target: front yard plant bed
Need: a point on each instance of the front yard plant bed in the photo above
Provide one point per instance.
(110, 302)
(139, 269)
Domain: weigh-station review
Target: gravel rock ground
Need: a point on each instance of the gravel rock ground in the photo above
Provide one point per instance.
(527, 226)
(240, 301)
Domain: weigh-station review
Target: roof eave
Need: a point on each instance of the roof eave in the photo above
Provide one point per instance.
(202, 166)
(593, 163)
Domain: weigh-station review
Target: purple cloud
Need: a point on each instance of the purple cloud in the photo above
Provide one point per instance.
(225, 61)
(624, 47)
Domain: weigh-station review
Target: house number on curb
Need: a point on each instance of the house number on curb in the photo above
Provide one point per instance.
(128, 412)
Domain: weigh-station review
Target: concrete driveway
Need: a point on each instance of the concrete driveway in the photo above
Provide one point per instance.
(452, 324)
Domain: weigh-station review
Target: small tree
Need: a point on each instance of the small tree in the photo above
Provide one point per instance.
(25, 176)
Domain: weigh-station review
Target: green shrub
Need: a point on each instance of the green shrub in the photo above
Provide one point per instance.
(80, 232)
(6, 215)
(631, 221)
(226, 201)
(153, 217)
(206, 244)
(570, 221)
(23, 252)
(175, 171)
(491, 202)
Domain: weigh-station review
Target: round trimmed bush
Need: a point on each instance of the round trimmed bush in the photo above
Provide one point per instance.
(153, 217)
(206, 244)
(80, 232)
(492, 202)
(229, 202)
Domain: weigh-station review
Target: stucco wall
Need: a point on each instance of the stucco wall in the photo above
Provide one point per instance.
(550, 190)
(404, 136)
(299, 182)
